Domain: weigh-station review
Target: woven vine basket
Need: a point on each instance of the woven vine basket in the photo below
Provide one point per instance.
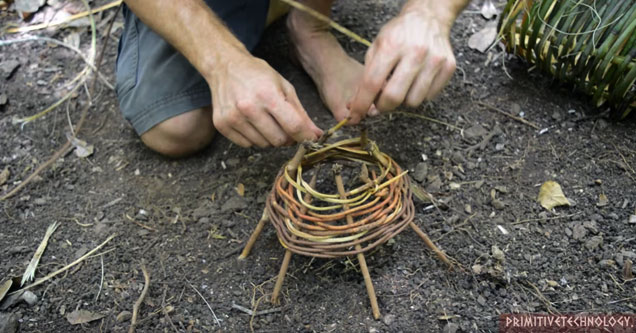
(589, 43)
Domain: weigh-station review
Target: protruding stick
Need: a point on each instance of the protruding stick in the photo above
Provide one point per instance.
(363, 263)
(430, 245)
(288, 253)
(250, 242)
(281, 276)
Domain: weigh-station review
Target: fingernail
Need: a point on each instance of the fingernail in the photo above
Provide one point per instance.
(373, 111)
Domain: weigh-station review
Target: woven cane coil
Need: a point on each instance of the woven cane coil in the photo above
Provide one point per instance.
(330, 225)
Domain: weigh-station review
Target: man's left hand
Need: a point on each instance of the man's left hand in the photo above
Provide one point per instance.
(410, 61)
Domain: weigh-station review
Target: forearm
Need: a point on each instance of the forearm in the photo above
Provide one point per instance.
(193, 29)
(444, 11)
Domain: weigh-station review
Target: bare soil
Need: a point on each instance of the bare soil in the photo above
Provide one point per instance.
(186, 222)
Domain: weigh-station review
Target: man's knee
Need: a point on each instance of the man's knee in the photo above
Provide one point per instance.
(181, 135)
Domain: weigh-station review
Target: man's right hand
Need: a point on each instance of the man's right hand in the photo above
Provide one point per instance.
(253, 105)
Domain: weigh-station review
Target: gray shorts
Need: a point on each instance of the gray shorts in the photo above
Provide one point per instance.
(155, 82)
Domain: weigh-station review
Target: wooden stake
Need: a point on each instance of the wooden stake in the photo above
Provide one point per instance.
(430, 245)
(363, 263)
(250, 243)
(281, 276)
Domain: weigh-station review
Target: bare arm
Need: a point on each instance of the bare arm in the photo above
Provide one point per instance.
(252, 104)
(411, 59)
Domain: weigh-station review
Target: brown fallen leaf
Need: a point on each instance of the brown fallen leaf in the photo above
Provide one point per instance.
(4, 288)
(602, 200)
(82, 317)
(4, 176)
(551, 195)
(240, 189)
(627, 270)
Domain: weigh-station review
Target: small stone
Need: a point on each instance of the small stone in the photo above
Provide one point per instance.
(481, 300)
(3, 99)
(421, 171)
(30, 298)
(552, 283)
(388, 319)
(499, 147)
(579, 232)
(228, 223)
(632, 219)
(594, 242)
(479, 184)
(233, 204)
(373, 330)
(8, 322)
(124, 316)
(204, 220)
(232, 162)
(8, 67)
(556, 115)
(477, 269)
(39, 201)
(497, 253)
(607, 263)
(468, 209)
(498, 204)
(450, 328)
(475, 131)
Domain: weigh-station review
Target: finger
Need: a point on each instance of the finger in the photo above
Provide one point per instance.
(291, 116)
(251, 133)
(441, 79)
(269, 129)
(420, 88)
(398, 86)
(376, 72)
(237, 138)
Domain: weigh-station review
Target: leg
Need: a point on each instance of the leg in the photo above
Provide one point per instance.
(181, 135)
(335, 74)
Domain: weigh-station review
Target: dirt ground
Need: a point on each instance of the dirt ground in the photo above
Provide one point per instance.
(186, 222)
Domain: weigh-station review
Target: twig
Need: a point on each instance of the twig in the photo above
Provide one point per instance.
(519, 119)
(64, 20)
(206, 303)
(65, 268)
(257, 313)
(101, 281)
(140, 300)
(78, 127)
(327, 20)
(482, 145)
(546, 219)
(433, 120)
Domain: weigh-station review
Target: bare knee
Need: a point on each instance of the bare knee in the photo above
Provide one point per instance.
(181, 135)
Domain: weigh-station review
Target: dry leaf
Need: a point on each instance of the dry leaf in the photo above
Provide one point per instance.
(602, 200)
(240, 189)
(551, 195)
(4, 176)
(4, 288)
(482, 39)
(82, 317)
(627, 270)
(488, 9)
(29, 273)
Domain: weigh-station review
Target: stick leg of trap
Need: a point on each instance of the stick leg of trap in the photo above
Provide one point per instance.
(363, 262)
(250, 243)
(431, 245)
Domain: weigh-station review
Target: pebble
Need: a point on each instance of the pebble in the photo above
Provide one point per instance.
(468, 209)
(40, 201)
(204, 220)
(450, 328)
(475, 131)
(607, 263)
(421, 171)
(594, 242)
(632, 219)
(8, 67)
(497, 253)
(498, 204)
(30, 298)
(499, 147)
(3, 99)
(124, 316)
(579, 232)
(8, 323)
(233, 204)
(388, 319)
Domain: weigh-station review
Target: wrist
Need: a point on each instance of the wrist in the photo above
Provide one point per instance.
(214, 62)
(444, 12)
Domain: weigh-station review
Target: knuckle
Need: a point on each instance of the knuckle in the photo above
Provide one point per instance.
(244, 104)
(436, 60)
(451, 64)
(295, 127)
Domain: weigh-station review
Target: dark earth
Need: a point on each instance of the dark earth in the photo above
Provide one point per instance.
(185, 220)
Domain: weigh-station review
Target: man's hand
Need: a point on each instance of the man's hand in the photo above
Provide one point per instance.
(253, 105)
(411, 59)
